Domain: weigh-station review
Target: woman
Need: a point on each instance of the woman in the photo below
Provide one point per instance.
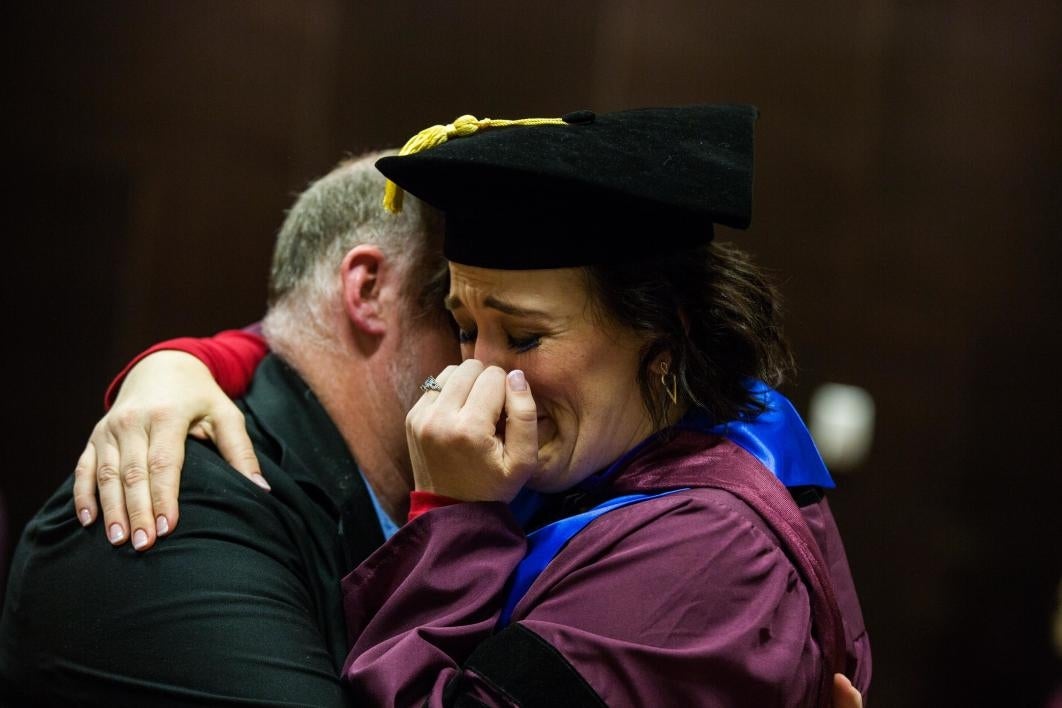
(614, 362)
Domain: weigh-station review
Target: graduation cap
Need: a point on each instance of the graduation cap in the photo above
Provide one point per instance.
(582, 189)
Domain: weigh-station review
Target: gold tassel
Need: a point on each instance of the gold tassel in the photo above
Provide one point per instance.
(439, 134)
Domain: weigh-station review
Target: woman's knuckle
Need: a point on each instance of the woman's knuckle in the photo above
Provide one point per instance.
(127, 419)
(161, 459)
(161, 414)
(428, 429)
(106, 473)
(133, 475)
(465, 436)
(101, 436)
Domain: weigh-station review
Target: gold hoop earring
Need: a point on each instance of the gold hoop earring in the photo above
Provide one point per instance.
(669, 381)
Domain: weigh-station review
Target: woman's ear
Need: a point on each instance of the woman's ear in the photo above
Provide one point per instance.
(661, 366)
(661, 363)
(365, 277)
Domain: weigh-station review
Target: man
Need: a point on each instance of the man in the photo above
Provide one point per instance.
(241, 603)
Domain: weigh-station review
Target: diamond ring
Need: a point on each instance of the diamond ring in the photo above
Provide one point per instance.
(430, 384)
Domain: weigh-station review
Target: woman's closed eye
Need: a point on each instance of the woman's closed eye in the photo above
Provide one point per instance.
(524, 343)
(519, 344)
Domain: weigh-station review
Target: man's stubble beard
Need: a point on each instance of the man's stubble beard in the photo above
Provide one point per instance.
(404, 369)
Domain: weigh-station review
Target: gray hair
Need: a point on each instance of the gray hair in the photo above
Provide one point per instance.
(336, 213)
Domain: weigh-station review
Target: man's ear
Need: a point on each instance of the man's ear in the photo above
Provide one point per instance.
(365, 276)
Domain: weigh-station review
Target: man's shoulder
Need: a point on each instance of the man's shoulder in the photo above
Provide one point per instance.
(205, 469)
(240, 603)
(227, 527)
(191, 616)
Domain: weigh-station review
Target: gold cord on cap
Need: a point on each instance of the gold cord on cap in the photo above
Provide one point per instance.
(439, 134)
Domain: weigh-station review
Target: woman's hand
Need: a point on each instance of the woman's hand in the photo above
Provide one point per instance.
(136, 451)
(845, 694)
(457, 444)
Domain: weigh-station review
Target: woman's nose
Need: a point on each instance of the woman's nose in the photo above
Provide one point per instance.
(491, 354)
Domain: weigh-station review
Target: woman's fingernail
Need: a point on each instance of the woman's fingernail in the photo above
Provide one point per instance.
(116, 533)
(162, 526)
(517, 380)
(85, 517)
(139, 539)
(261, 482)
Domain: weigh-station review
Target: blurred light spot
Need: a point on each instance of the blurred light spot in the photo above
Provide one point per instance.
(841, 419)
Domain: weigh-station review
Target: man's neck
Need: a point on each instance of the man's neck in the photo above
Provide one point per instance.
(367, 416)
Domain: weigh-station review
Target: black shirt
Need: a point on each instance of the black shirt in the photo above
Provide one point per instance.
(241, 604)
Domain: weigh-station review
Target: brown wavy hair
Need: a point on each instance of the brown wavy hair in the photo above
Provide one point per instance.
(713, 312)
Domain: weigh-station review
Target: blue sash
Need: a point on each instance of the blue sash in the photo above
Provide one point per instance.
(777, 437)
(544, 544)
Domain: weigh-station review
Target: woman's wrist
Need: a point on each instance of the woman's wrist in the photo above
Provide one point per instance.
(421, 502)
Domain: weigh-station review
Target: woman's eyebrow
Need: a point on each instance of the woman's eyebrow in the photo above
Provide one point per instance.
(510, 309)
(451, 302)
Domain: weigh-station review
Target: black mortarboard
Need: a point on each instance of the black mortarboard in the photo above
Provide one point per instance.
(584, 189)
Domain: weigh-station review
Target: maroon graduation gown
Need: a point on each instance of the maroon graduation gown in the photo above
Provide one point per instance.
(684, 599)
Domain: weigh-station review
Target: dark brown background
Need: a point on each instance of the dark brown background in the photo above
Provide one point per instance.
(909, 188)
